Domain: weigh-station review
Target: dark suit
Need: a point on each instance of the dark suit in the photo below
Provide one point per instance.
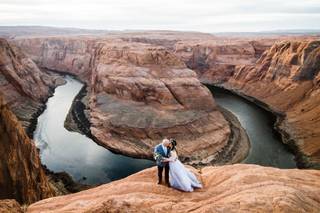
(160, 153)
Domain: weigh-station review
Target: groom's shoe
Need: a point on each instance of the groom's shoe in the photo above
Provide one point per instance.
(168, 185)
(159, 182)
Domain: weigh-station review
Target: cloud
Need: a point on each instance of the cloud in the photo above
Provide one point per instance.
(201, 15)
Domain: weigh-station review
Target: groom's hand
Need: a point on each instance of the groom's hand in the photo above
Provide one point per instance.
(165, 160)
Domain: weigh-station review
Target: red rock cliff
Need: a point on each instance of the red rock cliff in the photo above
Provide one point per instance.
(24, 86)
(21, 175)
(287, 79)
(72, 55)
(215, 60)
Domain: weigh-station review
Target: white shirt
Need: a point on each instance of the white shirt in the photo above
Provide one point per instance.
(164, 149)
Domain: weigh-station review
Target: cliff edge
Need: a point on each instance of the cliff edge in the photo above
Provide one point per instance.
(235, 188)
(21, 175)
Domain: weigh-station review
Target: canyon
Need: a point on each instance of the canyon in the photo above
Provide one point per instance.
(269, 70)
(286, 78)
(143, 86)
(139, 93)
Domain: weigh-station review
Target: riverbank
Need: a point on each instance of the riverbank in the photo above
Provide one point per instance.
(239, 142)
(62, 183)
(300, 158)
(77, 118)
(235, 151)
(33, 121)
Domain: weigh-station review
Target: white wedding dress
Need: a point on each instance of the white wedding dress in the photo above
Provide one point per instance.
(179, 176)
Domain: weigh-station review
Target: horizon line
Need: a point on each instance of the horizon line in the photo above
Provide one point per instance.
(289, 30)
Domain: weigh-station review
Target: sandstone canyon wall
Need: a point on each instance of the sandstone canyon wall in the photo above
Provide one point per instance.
(235, 188)
(24, 86)
(21, 174)
(72, 55)
(287, 79)
(215, 60)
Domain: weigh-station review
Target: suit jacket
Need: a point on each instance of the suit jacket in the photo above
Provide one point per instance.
(159, 154)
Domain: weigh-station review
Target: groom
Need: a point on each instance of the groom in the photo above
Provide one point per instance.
(161, 155)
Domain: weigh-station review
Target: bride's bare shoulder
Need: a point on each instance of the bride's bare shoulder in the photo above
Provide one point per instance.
(174, 152)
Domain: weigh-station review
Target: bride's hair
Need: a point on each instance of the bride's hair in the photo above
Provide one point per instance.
(173, 143)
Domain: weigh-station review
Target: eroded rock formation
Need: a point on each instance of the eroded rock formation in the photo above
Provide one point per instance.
(9, 205)
(21, 175)
(287, 79)
(139, 93)
(72, 55)
(24, 86)
(143, 93)
(215, 60)
(236, 188)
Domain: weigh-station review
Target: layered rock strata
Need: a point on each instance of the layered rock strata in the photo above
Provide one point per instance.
(287, 79)
(21, 175)
(73, 55)
(216, 60)
(24, 86)
(236, 188)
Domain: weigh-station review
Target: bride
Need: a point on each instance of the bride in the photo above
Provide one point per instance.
(179, 176)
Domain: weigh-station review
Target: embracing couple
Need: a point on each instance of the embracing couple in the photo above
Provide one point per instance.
(176, 175)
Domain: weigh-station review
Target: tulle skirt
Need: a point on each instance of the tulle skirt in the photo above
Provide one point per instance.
(181, 178)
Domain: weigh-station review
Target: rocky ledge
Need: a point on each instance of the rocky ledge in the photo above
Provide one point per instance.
(235, 188)
(8, 205)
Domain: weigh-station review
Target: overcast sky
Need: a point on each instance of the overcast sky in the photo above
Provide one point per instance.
(196, 15)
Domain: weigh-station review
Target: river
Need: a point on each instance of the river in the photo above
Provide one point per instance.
(266, 146)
